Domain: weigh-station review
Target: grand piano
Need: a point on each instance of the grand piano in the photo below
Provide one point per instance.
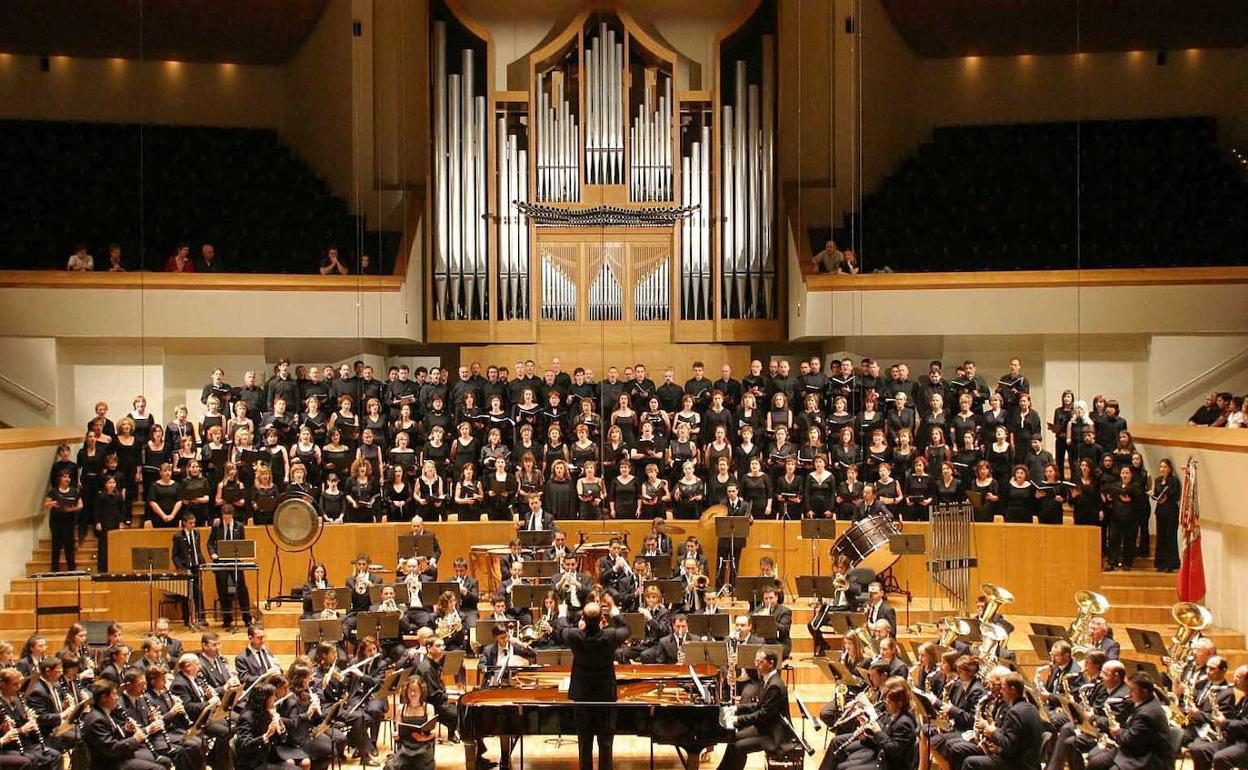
(658, 702)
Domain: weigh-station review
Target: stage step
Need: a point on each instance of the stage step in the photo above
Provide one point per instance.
(60, 597)
(1139, 577)
(1137, 594)
(1134, 614)
(11, 619)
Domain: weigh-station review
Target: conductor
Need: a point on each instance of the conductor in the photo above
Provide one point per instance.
(593, 642)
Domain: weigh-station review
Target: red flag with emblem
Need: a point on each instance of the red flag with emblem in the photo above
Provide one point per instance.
(1192, 573)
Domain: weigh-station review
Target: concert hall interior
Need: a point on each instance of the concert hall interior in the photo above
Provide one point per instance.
(833, 384)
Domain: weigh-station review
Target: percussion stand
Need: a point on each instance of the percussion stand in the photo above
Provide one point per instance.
(903, 545)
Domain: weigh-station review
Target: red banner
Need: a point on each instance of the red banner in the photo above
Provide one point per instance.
(1192, 573)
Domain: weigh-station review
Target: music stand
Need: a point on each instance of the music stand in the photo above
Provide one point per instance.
(1147, 642)
(557, 657)
(391, 683)
(1043, 645)
(660, 565)
(815, 530)
(485, 630)
(714, 653)
(747, 652)
(315, 631)
(816, 586)
(541, 568)
(529, 596)
(453, 663)
(535, 538)
(416, 545)
(915, 545)
(844, 622)
(379, 625)
(673, 590)
(1134, 665)
(237, 551)
(429, 592)
(750, 589)
(837, 671)
(330, 715)
(735, 529)
(342, 593)
(1047, 629)
(715, 626)
(765, 626)
(636, 624)
(150, 560)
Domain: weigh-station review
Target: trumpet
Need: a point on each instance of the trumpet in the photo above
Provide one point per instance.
(700, 582)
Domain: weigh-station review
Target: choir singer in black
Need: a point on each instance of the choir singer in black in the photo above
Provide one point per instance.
(593, 642)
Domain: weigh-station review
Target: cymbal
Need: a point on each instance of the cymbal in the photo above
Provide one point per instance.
(670, 529)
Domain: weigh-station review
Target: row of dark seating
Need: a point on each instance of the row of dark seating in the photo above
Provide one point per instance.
(1122, 193)
(149, 187)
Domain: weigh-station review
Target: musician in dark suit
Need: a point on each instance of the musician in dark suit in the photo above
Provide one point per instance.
(878, 608)
(255, 660)
(728, 550)
(842, 600)
(358, 582)
(111, 748)
(1098, 635)
(961, 699)
(504, 650)
(170, 647)
(783, 615)
(188, 557)
(535, 519)
(1213, 688)
(572, 588)
(214, 667)
(1232, 750)
(870, 505)
(558, 547)
(1143, 739)
(670, 648)
(189, 685)
(760, 726)
(1015, 738)
(43, 696)
(889, 656)
(229, 529)
(890, 743)
(118, 656)
(593, 642)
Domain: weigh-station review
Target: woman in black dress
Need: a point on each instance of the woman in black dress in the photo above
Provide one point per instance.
(1060, 426)
(554, 450)
(1143, 511)
(688, 493)
(438, 452)
(231, 490)
(625, 496)
(582, 451)
(967, 456)
(156, 452)
(756, 489)
(527, 411)
(658, 419)
(781, 451)
(590, 493)
(901, 417)
(500, 492)
(469, 494)
(558, 495)
(264, 497)
(346, 422)
(920, 490)
(333, 500)
(999, 454)
(1020, 497)
(196, 493)
(430, 492)
(848, 494)
(788, 490)
(869, 419)
(625, 419)
(260, 732)
(716, 416)
(163, 502)
(1166, 492)
(904, 453)
(1122, 495)
(680, 451)
(948, 487)
(63, 501)
(1051, 496)
(963, 421)
(844, 454)
(465, 449)
(437, 417)
(90, 463)
(308, 453)
(655, 494)
(874, 455)
(413, 743)
(362, 494)
(750, 414)
(375, 421)
(995, 416)
(553, 414)
(780, 415)
(1023, 426)
(335, 455)
(887, 488)
(717, 483)
(316, 421)
(397, 495)
(820, 492)
(1087, 495)
(529, 482)
(587, 417)
(984, 493)
(129, 452)
(110, 515)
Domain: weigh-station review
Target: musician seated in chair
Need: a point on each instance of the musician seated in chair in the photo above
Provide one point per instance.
(191, 686)
(255, 660)
(135, 705)
(359, 582)
(783, 615)
(955, 749)
(45, 697)
(572, 588)
(176, 718)
(877, 607)
(1141, 740)
(1213, 689)
(671, 648)
(870, 505)
(767, 569)
(1227, 745)
(843, 599)
(104, 737)
(761, 726)
(503, 651)
(886, 743)
(1012, 740)
(888, 656)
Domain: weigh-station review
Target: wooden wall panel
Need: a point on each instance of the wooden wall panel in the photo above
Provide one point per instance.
(1041, 565)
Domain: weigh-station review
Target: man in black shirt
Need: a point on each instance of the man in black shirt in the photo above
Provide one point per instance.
(561, 377)
(369, 388)
(699, 387)
(640, 389)
(670, 394)
(783, 382)
(493, 386)
(1012, 385)
(755, 382)
(208, 260)
(345, 385)
(729, 387)
(1207, 413)
(253, 395)
(283, 386)
(399, 389)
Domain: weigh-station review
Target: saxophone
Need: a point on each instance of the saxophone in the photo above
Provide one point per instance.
(1206, 731)
(1106, 739)
(942, 721)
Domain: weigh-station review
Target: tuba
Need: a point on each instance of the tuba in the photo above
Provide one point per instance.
(994, 635)
(997, 598)
(1090, 605)
(954, 627)
(1192, 619)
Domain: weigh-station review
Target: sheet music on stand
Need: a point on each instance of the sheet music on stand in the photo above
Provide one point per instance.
(342, 593)
(660, 565)
(400, 592)
(708, 625)
(379, 625)
(528, 596)
(429, 592)
(713, 653)
(535, 538)
(151, 561)
(416, 545)
(541, 568)
(313, 630)
(555, 657)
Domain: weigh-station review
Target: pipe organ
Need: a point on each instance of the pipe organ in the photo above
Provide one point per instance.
(597, 180)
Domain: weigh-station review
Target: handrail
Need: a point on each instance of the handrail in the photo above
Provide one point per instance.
(24, 393)
(1027, 279)
(1161, 402)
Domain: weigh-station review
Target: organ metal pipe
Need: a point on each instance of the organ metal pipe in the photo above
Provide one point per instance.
(747, 287)
(440, 265)
(728, 229)
(454, 208)
(768, 160)
(704, 224)
(482, 191)
(466, 187)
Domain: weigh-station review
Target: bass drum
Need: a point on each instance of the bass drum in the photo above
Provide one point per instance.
(865, 544)
(296, 521)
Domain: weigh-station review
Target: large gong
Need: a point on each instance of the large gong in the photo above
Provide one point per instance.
(296, 522)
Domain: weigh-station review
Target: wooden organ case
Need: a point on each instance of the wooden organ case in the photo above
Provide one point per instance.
(605, 188)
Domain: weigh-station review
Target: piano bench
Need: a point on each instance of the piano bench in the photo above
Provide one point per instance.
(787, 757)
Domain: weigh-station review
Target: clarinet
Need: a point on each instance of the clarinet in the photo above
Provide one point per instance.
(130, 720)
(8, 720)
(31, 716)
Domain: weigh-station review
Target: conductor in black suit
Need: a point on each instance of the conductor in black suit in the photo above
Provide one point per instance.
(228, 529)
(188, 556)
(593, 642)
(760, 726)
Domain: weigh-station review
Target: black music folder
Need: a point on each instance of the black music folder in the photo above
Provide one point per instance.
(715, 626)
(342, 593)
(317, 630)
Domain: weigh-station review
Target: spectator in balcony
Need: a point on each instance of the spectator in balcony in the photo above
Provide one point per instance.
(833, 260)
(181, 261)
(331, 264)
(1238, 418)
(81, 260)
(114, 259)
(366, 265)
(208, 262)
(1207, 413)
(1226, 405)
